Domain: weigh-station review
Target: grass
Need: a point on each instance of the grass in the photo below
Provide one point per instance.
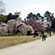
(14, 40)
(19, 34)
(6, 41)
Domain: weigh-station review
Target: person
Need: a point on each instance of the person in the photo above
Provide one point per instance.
(43, 36)
(50, 33)
(35, 33)
(28, 33)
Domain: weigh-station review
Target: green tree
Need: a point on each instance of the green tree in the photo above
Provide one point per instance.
(48, 15)
(30, 15)
(33, 16)
(42, 19)
(2, 18)
(9, 16)
(38, 14)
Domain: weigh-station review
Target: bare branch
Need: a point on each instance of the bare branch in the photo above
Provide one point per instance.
(2, 7)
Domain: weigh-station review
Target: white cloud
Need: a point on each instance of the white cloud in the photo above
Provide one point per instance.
(38, 8)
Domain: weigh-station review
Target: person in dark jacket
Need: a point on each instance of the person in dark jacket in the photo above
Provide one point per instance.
(28, 33)
(35, 33)
(43, 36)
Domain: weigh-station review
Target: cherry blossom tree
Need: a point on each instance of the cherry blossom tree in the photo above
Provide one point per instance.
(36, 25)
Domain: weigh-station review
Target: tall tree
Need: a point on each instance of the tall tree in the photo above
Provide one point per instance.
(33, 16)
(38, 14)
(53, 25)
(17, 14)
(47, 14)
(30, 15)
(42, 19)
(9, 16)
(37, 18)
(50, 19)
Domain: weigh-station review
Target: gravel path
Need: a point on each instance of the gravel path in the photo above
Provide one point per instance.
(37, 47)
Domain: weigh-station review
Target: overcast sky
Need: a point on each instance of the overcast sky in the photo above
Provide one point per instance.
(27, 6)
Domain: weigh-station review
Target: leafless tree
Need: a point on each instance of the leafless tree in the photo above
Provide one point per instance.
(2, 7)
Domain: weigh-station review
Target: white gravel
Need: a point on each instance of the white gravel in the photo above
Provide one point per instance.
(37, 47)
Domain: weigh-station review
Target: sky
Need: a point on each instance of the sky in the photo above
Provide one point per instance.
(27, 6)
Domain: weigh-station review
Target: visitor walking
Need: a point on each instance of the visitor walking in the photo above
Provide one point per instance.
(44, 36)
